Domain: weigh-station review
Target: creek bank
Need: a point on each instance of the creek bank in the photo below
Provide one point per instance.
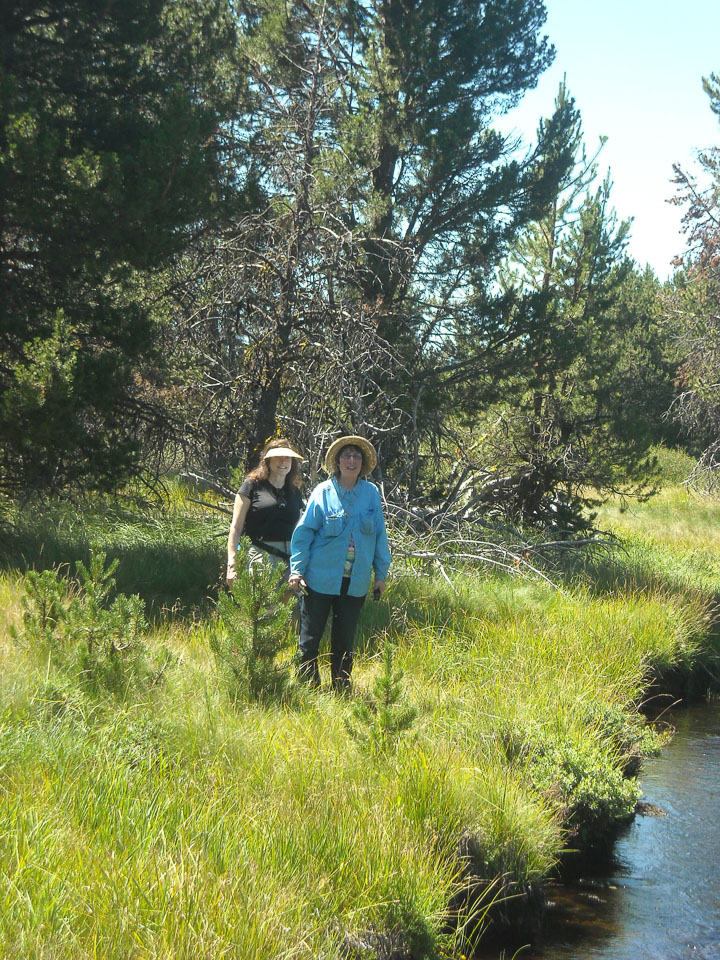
(517, 914)
(583, 897)
(659, 896)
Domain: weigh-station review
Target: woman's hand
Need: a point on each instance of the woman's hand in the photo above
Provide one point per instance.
(379, 587)
(231, 573)
(297, 582)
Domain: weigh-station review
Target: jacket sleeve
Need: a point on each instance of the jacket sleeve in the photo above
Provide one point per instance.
(304, 534)
(382, 558)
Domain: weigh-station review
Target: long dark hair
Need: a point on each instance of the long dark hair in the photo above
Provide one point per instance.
(261, 471)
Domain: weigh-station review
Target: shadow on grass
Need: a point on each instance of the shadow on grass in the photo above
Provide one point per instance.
(174, 564)
(656, 571)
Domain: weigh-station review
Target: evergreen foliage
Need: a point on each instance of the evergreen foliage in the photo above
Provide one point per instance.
(574, 429)
(218, 219)
(111, 159)
(44, 609)
(387, 190)
(254, 631)
(381, 720)
(76, 627)
(695, 309)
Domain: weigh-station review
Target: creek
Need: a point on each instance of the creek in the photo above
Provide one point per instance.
(659, 899)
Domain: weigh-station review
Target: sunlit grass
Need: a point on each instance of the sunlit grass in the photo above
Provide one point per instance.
(676, 517)
(178, 824)
(672, 540)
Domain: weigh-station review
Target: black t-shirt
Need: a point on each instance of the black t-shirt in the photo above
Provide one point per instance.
(273, 513)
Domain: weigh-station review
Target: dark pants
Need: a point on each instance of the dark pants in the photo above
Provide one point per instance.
(314, 610)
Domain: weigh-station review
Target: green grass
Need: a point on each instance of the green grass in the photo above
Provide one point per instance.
(174, 823)
(670, 544)
(172, 559)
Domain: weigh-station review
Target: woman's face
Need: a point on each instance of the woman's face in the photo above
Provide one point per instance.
(279, 467)
(350, 461)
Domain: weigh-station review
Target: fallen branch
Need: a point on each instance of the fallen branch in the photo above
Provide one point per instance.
(211, 483)
(213, 506)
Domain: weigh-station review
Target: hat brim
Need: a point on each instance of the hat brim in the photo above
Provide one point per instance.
(282, 452)
(368, 452)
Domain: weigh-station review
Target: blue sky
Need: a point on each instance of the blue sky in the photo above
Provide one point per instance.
(635, 69)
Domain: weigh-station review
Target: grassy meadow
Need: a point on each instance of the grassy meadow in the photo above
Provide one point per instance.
(166, 818)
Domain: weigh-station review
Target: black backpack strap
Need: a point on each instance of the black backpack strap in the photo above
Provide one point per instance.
(273, 551)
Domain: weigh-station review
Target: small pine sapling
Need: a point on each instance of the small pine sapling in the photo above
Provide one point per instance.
(381, 720)
(45, 605)
(81, 631)
(254, 630)
(108, 635)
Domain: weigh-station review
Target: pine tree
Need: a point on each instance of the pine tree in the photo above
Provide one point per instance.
(255, 631)
(389, 199)
(76, 627)
(381, 721)
(570, 431)
(695, 308)
(112, 156)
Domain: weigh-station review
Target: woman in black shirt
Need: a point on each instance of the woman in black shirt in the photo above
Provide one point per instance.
(267, 506)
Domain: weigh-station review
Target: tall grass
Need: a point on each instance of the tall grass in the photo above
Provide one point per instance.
(179, 823)
(170, 558)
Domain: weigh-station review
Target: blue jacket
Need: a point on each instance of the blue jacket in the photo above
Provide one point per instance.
(321, 538)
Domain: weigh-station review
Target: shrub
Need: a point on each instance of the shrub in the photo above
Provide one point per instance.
(254, 631)
(384, 718)
(592, 793)
(581, 773)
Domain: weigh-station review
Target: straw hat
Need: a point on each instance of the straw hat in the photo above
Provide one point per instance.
(368, 452)
(282, 452)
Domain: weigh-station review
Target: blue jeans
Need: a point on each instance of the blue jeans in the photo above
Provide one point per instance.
(314, 611)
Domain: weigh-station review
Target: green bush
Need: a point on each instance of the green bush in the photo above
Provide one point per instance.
(582, 771)
(675, 465)
(254, 631)
(588, 787)
(77, 628)
(381, 720)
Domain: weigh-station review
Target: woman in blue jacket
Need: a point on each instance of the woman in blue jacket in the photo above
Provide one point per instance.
(339, 541)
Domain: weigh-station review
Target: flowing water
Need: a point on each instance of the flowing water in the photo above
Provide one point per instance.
(660, 900)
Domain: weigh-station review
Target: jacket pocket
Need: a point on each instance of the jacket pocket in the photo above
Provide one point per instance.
(333, 525)
(367, 523)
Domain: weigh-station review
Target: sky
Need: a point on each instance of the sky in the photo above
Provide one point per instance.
(635, 69)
